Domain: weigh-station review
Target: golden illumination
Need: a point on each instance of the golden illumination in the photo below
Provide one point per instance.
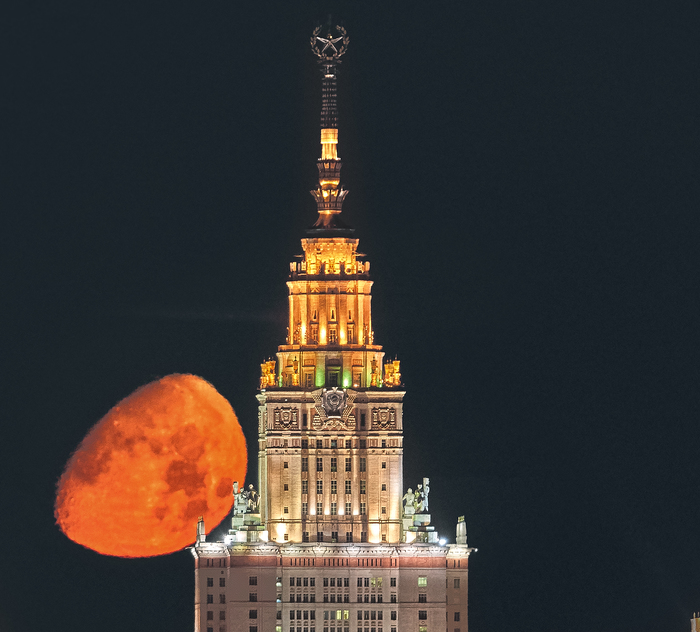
(160, 458)
(329, 144)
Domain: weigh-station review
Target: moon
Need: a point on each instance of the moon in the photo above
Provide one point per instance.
(163, 456)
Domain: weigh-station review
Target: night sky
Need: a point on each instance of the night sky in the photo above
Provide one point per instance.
(524, 180)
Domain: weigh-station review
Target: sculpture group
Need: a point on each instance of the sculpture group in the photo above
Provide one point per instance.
(416, 502)
(245, 500)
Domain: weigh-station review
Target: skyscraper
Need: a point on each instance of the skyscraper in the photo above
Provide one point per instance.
(332, 543)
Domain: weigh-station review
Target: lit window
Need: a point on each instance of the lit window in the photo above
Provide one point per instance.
(348, 509)
(348, 487)
(334, 509)
(332, 336)
(304, 508)
(334, 444)
(363, 487)
(422, 582)
(319, 486)
(304, 487)
(319, 509)
(334, 464)
(334, 487)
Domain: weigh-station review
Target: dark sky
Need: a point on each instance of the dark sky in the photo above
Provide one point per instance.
(523, 178)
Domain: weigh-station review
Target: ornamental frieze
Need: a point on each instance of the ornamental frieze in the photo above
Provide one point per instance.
(333, 409)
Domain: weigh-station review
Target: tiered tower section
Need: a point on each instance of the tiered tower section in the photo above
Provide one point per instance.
(330, 416)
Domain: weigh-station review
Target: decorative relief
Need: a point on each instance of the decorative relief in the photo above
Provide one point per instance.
(286, 417)
(384, 418)
(333, 409)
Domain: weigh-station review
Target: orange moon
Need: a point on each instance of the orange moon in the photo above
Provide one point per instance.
(163, 456)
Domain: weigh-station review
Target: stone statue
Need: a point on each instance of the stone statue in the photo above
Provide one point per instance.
(418, 502)
(240, 503)
(253, 498)
(409, 500)
(426, 491)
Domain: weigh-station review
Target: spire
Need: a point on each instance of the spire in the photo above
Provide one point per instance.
(329, 194)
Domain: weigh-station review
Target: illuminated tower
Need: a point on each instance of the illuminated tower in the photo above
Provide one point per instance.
(330, 431)
(332, 543)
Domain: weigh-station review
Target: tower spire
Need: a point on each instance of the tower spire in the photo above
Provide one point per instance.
(329, 194)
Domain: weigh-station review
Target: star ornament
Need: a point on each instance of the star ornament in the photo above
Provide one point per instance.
(329, 42)
(329, 48)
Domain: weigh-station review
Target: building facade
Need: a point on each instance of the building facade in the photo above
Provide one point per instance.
(331, 543)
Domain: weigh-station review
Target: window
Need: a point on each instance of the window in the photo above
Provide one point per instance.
(363, 536)
(383, 463)
(319, 464)
(286, 537)
(334, 464)
(286, 487)
(362, 420)
(286, 510)
(222, 598)
(210, 615)
(348, 509)
(319, 486)
(252, 614)
(285, 465)
(422, 582)
(422, 598)
(334, 444)
(423, 614)
(383, 446)
(222, 615)
(363, 464)
(319, 509)
(363, 509)
(334, 535)
(291, 581)
(393, 597)
(334, 510)
(305, 536)
(210, 582)
(304, 463)
(222, 582)
(363, 444)
(304, 442)
(383, 510)
(383, 487)
(210, 629)
(304, 487)
(363, 487)
(252, 596)
(422, 628)
(210, 598)
(332, 336)
(312, 582)
(348, 487)
(392, 582)
(319, 444)
(252, 628)
(348, 444)
(304, 508)
(456, 616)
(383, 540)
(334, 487)
(456, 582)
(348, 464)
(253, 580)
(359, 582)
(393, 615)
(319, 536)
